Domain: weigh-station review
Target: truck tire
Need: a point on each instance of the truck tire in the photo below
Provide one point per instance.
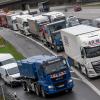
(87, 73)
(37, 90)
(44, 95)
(21, 31)
(80, 67)
(28, 89)
(55, 49)
(70, 90)
(24, 86)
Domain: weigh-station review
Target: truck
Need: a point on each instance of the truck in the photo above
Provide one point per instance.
(72, 21)
(82, 45)
(44, 6)
(9, 71)
(52, 35)
(47, 27)
(11, 20)
(36, 24)
(96, 22)
(3, 19)
(22, 24)
(45, 74)
(55, 16)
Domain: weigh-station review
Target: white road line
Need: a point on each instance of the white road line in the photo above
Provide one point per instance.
(96, 90)
(74, 78)
(87, 82)
(72, 71)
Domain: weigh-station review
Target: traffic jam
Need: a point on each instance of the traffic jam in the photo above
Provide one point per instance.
(77, 38)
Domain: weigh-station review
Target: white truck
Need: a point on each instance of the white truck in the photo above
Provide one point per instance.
(96, 22)
(72, 21)
(82, 44)
(22, 24)
(9, 71)
(36, 24)
(55, 16)
(11, 19)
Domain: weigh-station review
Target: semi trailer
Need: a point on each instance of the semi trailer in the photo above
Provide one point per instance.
(82, 44)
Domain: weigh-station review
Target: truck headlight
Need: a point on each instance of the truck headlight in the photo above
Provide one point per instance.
(50, 87)
(69, 81)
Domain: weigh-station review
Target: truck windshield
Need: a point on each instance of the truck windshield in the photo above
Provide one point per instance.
(56, 66)
(13, 71)
(92, 51)
(56, 27)
(8, 61)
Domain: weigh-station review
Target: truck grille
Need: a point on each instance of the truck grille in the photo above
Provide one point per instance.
(96, 66)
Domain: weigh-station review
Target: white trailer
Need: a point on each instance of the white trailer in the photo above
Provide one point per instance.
(11, 19)
(72, 21)
(82, 44)
(22, 24)
(36, 23)
(55, 16)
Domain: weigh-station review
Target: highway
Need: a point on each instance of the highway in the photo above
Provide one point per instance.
(29, 48)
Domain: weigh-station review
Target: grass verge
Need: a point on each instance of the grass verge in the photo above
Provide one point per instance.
(8, 48)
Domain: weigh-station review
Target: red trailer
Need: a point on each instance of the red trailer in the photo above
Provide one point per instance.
(3, 20)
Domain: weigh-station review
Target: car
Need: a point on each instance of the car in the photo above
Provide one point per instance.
(77, 7)
(9, 71)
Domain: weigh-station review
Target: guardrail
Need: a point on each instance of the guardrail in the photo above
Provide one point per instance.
(5, 94)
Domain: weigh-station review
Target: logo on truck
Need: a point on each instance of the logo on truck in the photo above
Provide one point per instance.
(94, 42)
(58, 75)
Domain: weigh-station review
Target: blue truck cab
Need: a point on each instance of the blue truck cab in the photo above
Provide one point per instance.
(53, 34)
(45, 74)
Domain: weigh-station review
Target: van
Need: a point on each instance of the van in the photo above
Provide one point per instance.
(9, 71)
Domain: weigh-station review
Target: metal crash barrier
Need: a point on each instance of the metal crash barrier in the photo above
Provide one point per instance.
(6, 95)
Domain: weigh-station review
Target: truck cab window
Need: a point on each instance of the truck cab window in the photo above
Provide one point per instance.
(92, 51)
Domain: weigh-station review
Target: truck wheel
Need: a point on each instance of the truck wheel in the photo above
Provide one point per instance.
(80, 67)
(12, 85)
(21, 31)
(24, 86)
(55, 49)
(87, 73)
(37, 90)
(70, 90)
(28, 89)
(44, 95)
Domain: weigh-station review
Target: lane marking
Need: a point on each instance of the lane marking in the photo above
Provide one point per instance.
(96, 90)
(74, 78)
(72, 71)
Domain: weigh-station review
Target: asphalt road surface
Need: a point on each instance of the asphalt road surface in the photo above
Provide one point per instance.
(85, 13)
(29, 48)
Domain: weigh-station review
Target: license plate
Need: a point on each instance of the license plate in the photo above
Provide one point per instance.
(61, 86)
